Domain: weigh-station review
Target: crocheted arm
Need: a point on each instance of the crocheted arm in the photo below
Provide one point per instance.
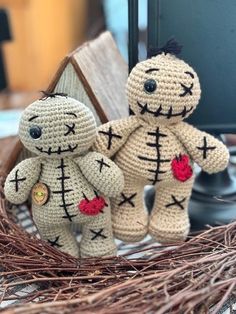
(102, 173)
(113, 135)
(21, 179)
(208, 152)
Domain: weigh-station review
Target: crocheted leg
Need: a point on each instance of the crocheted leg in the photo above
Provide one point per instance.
(60, 237)
(97, 236)
(169, 221)
(129, 218)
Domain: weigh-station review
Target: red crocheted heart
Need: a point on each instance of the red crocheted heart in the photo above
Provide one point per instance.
(181, 169)
(92, 207)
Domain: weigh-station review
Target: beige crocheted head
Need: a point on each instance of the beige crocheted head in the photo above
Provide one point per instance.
(57, 126)
(163, 89)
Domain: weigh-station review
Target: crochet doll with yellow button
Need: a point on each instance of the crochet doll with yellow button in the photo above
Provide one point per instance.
(155, 147)
(65, 180)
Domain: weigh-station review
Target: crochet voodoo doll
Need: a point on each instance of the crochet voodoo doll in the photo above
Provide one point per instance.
(65, 180)
(155, 147)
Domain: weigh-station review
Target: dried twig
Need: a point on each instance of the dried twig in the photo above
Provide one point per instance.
(201, 271)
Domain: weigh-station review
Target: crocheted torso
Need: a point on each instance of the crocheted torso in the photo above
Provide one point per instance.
(149, 153)
(67, 188)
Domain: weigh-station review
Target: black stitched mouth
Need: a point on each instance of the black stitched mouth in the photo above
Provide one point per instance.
(58, 151)
(144, 109)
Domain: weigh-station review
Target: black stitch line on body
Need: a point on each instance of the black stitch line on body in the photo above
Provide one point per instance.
(157, 160)
(63, 191)
(205, 148)
(127, 199)
(155, 133)
(176, 202)
(98, 234)
(55, 242)
(102, 163)
(110, 136)
(17, 180)
(97, 196)
(153, 159)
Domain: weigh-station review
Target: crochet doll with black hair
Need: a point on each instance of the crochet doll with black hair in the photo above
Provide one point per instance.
(66, 181)
(155, 147)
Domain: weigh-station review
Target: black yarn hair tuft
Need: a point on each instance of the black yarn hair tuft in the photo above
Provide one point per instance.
(51, 95)
(172, 47)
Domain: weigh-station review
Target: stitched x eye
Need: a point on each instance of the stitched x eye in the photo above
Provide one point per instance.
(187, 90)
(70, 129)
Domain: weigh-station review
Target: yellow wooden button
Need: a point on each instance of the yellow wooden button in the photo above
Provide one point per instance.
(40, 194)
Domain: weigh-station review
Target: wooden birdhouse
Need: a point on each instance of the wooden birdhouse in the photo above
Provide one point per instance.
(95, 74)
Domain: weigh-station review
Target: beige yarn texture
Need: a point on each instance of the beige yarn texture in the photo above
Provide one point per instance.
(145, 145)
(71, 173)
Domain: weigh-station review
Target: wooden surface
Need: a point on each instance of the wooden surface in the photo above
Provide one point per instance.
(95, 74)
(106, 74)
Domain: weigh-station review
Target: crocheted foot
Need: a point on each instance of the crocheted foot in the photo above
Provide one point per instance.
(168, 236)
(169, 221)
(131, 233)
(61, 238)
(97, 236)
(84, 253)
(129, 218)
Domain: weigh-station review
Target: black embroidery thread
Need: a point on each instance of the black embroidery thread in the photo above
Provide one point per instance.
(110, 136)
(157, 134)
(58, 151)
(144, 109)
(205, 148)
(97, 196)
(102, 163)
(71, 114)
(47, 94)
(98, 234)
(55, 243)
(127, 199)
(17, 180)
(63, 191)
(71, 129)
(187, 90)
(171, 47)
(176, 202)
(32, 118)
(190, 74)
